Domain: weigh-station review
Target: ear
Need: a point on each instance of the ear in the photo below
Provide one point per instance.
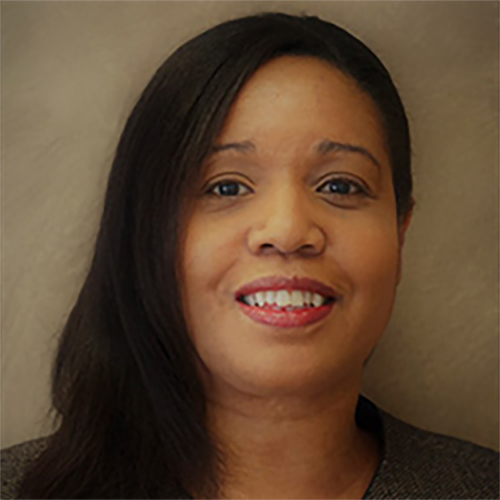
(402, 228)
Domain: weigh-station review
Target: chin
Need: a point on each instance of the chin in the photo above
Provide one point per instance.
(274, 376)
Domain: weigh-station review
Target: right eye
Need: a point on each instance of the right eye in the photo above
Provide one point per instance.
(226, 189)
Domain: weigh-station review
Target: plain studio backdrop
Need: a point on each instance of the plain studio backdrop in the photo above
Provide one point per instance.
(71, 73)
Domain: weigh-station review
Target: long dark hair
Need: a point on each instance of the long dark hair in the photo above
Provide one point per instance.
(129, 404)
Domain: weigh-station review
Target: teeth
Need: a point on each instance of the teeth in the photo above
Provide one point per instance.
(261, 298)
(297, 298)
(270, 298)
(317, 299)
(284, 298)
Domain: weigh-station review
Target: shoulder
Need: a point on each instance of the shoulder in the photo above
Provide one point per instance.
(15, 460)
(424, 464)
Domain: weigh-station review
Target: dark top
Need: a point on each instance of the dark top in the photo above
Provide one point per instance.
(414, 463)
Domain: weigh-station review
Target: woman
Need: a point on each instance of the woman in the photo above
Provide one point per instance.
(245, 268)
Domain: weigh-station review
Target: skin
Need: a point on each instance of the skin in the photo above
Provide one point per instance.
(282, 400)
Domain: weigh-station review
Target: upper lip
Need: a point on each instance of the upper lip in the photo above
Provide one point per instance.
(284, 283)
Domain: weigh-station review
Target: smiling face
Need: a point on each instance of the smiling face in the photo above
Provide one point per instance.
(299, 185)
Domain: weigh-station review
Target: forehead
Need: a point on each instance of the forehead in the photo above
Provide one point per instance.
(293, 102)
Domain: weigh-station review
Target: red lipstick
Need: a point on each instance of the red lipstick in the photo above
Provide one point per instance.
(286, 317)
(268, 315)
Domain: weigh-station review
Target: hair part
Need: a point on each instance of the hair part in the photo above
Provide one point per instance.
(129, 404)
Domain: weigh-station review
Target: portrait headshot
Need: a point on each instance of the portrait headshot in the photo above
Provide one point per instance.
(250, 249)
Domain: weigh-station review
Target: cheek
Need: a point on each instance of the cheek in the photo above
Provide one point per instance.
(210, 251)
(372, 256)
(367, 240)
(370, 259)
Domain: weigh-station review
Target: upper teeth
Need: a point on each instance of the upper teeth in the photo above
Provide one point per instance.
(284, 298)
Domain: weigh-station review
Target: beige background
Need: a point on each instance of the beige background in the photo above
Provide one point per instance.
(71, 72)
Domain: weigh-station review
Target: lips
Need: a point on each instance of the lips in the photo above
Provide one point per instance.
(286, 318)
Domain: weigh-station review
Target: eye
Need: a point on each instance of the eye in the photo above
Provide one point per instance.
(226, 189)
(343, 187)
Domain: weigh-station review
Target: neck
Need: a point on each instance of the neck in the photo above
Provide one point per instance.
(293, 447)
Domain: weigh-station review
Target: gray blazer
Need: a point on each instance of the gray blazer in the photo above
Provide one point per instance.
(414, 464)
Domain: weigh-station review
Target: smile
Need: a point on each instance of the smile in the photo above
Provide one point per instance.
(286, 302)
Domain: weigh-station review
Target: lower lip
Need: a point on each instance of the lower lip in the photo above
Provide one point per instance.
(286, 319)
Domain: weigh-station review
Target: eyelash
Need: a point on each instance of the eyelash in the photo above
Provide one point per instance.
(360, 190)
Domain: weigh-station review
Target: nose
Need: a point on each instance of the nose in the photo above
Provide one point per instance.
(286, 224)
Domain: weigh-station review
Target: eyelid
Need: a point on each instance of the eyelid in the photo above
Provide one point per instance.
(225, 177)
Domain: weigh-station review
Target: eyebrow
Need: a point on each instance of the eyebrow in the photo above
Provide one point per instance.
(327, 146)
(324, 147)
(242, 147)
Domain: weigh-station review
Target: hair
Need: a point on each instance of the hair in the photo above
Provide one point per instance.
(127, 398)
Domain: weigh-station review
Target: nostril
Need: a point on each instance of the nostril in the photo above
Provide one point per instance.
(266, 246)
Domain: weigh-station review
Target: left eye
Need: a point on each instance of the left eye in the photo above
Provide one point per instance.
(343, 187)
(226, 188)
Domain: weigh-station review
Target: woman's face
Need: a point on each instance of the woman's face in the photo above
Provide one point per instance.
(299, 186)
